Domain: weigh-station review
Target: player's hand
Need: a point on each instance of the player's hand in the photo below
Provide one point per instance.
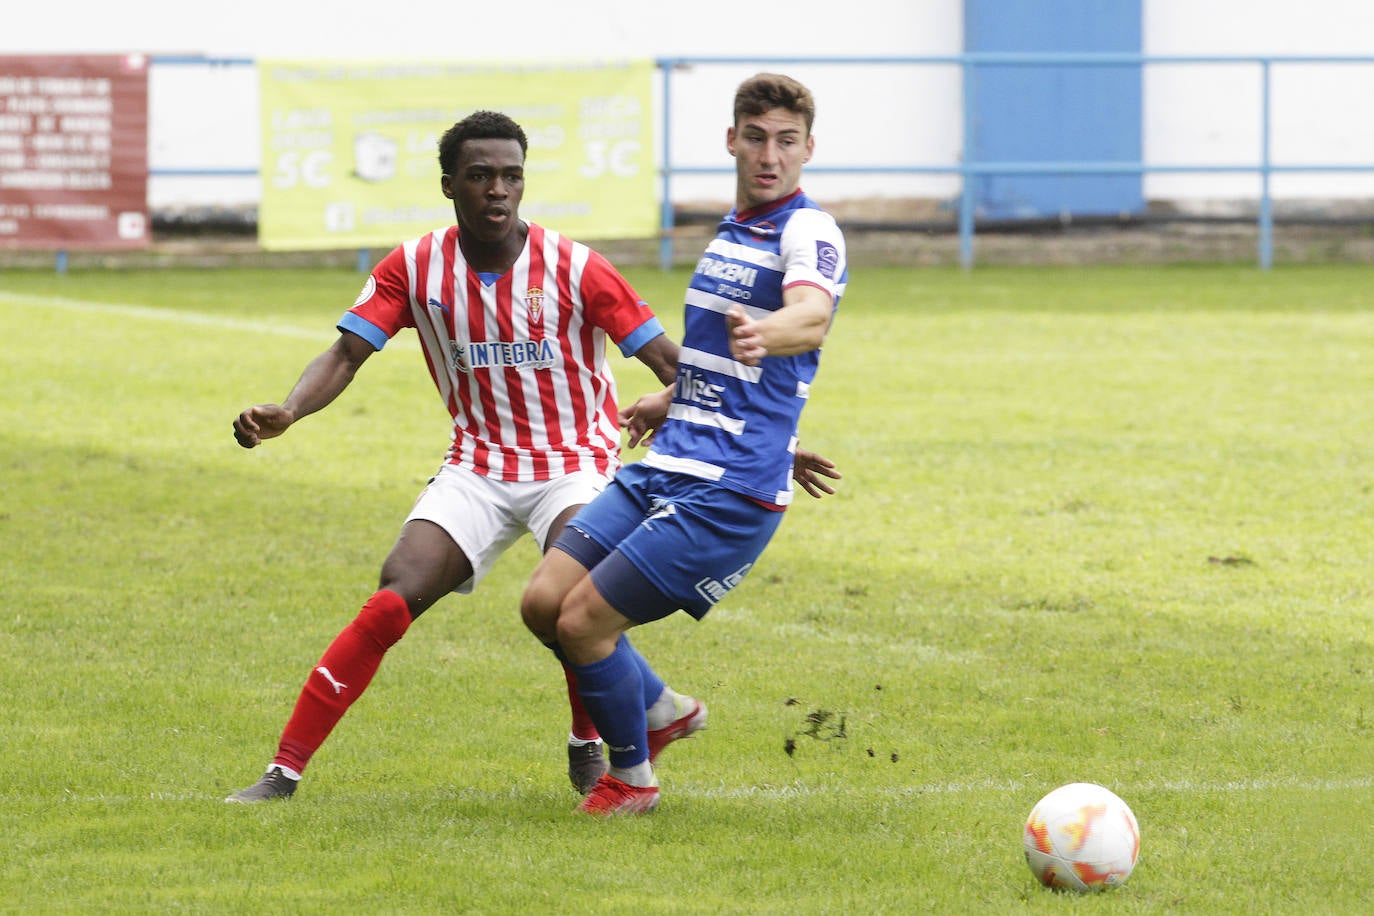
(811, 471)
(643, 418)
(265, 421)
(746, 343)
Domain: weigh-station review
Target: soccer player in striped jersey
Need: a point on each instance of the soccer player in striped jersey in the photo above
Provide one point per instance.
(513, 320)
(682, 527)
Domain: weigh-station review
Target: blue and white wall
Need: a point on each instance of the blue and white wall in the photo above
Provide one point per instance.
(872, 115)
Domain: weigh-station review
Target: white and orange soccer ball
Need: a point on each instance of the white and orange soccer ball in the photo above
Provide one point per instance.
(1081, 837)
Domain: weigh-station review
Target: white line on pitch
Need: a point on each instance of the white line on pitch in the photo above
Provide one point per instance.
(1181, 787)
(256, 326)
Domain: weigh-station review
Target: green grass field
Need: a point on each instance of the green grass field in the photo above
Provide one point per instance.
(1101, 524)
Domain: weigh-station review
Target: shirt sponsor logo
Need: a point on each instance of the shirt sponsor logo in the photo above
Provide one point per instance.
(827, 259)
(697, 388)
(523, 355)
(729, 272)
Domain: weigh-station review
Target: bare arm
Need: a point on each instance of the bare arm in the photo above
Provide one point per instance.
(323, 380)
(647, 413)
(798, 327)
(660, 355)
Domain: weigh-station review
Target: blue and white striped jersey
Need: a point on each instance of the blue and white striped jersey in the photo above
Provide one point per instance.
(730, 423)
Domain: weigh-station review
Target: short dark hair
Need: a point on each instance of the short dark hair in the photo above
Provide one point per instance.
(766, 91)
(480, 125)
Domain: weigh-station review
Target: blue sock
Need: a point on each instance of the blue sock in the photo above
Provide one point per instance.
(653, 684)
(613, 692)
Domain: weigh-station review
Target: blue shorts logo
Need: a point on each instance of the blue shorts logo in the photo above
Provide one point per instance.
(714, 589)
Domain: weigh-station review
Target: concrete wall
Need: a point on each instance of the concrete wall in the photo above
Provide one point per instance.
(877, 115)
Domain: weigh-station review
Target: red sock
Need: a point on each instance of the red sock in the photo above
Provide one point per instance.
(583, 728)
(342, 675)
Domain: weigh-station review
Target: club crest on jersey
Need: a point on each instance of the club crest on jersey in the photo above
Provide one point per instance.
(534, 300)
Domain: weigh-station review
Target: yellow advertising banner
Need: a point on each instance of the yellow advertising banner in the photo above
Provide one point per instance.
(350, 149)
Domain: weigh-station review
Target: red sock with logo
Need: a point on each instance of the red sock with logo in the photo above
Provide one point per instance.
(341, 676)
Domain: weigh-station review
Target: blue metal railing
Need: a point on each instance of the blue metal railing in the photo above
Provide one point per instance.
(968, 169)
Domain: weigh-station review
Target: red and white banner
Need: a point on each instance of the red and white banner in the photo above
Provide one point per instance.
(74, 152)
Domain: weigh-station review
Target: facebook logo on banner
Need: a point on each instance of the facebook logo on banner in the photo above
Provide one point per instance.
(827, 259)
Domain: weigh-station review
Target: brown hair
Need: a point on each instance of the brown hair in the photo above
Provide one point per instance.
(767, 91)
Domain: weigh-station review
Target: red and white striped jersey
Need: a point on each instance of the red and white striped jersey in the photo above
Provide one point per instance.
(519, 362)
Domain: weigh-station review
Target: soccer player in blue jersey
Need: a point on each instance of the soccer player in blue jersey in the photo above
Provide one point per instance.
(681, 528)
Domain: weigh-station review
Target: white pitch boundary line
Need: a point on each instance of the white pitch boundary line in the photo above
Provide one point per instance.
(198, 319)
(781, 792)
(1181, 787)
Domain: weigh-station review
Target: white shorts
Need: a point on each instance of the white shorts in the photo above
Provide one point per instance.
(485, 516)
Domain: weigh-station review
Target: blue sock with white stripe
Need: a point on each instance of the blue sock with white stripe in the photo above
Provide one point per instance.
(613, 691)
(653, 684)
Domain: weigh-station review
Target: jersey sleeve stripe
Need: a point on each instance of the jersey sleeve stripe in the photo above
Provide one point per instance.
(364, 329)
(640, 336)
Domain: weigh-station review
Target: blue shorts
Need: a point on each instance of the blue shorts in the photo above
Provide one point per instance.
(658, 541)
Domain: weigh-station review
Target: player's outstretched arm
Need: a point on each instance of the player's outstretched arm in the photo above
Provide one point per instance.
(323, 380)
(798, 327)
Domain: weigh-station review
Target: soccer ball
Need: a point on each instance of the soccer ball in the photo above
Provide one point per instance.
(1081, 837)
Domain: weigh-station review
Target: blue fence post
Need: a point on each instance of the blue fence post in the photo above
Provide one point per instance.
(1266, 208)
(60, 261)
(966, 172)
(665, 217)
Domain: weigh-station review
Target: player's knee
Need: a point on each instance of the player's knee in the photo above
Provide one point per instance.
(384, 618)
(539, 608)
(575, 624)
